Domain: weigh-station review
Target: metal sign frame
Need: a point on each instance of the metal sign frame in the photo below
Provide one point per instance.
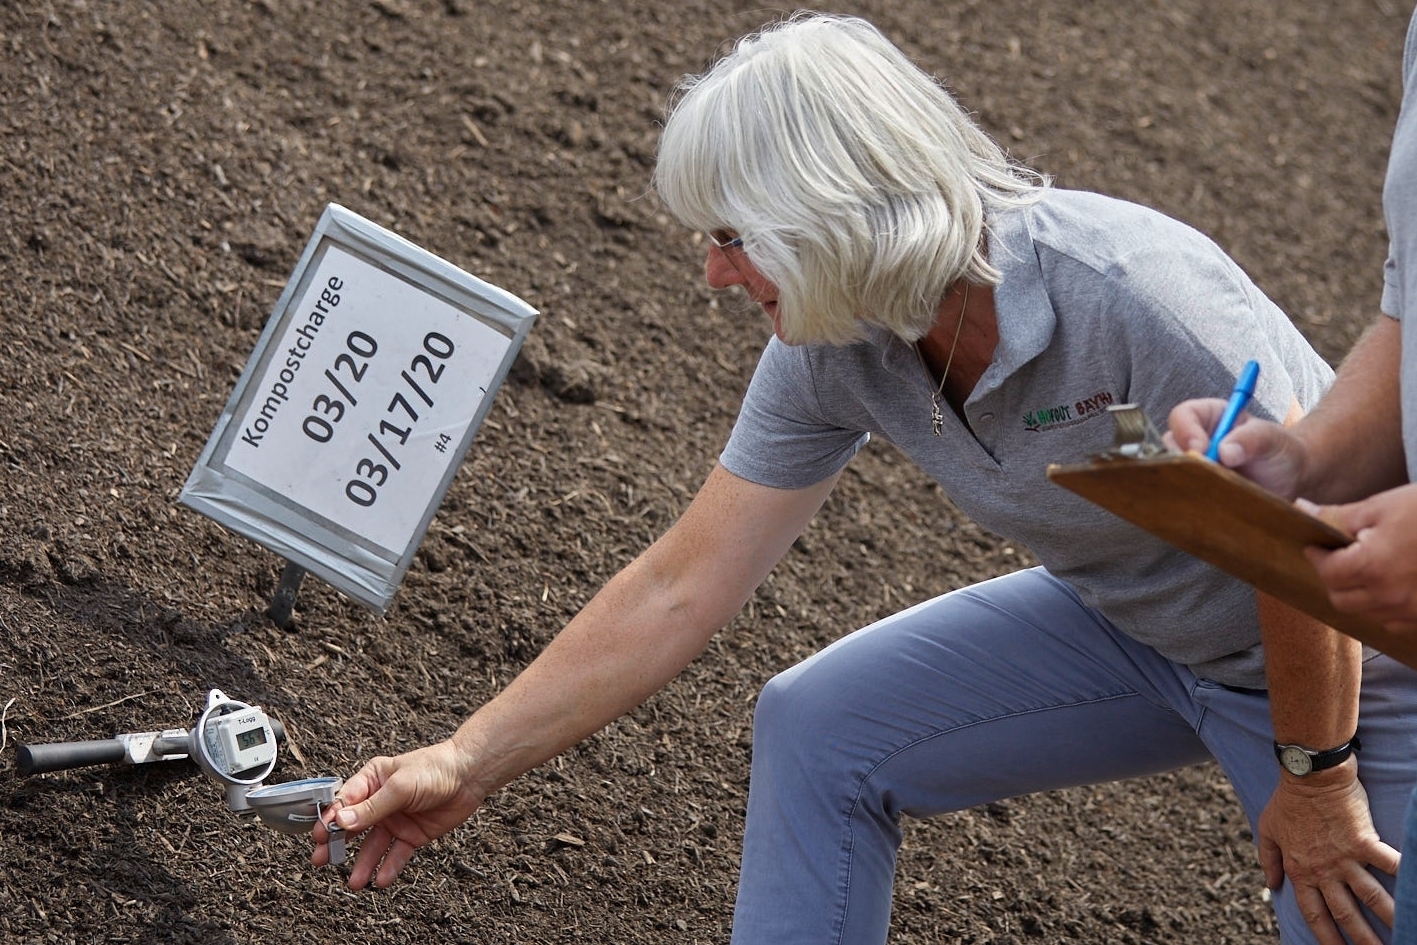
(281, 499)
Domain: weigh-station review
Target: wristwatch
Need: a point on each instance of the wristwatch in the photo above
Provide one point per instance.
(1298, 760)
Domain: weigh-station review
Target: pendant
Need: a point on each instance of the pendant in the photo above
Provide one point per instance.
(937, 419)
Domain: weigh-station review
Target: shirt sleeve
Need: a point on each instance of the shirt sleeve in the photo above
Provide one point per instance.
(1194, 318)
(782, 438)
(1400, 186)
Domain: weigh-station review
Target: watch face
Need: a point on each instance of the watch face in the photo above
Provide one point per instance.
(1296, 760)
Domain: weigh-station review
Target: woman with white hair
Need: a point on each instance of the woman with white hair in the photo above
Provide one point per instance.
(925, 289)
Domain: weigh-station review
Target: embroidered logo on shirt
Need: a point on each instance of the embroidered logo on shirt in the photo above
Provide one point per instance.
(1066, 415)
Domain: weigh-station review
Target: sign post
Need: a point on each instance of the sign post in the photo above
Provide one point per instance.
(364, 391)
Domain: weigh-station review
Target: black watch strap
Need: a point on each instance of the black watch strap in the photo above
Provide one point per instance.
(1298, 760)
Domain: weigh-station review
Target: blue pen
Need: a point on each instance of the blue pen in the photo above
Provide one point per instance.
(1239, 397)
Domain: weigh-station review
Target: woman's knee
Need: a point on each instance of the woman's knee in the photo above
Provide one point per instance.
(798, 711)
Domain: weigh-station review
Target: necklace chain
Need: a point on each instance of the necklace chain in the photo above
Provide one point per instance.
(937, 416)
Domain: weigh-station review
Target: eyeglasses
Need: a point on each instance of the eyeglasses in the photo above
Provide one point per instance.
(724, 241)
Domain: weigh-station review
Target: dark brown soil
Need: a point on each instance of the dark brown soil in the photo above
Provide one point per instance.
(163, 165)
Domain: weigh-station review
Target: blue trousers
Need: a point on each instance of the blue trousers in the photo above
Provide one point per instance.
(1404, 929)
(1005, 688)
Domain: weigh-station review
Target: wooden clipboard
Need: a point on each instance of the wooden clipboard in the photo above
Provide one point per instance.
(1229, 522)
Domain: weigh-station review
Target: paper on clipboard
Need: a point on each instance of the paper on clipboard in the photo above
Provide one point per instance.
(1229, 522)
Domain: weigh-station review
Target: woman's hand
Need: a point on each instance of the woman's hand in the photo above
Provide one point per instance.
(1320, 835)
(403, 803)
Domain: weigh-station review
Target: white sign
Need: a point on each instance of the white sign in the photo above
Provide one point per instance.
(373, 385)
(357, 405)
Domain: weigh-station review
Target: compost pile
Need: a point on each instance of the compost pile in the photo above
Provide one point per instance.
(163, 166)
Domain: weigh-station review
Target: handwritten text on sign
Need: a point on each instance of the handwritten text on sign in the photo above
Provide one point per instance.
(368, 395)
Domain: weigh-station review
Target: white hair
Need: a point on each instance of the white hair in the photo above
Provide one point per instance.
(858, 184)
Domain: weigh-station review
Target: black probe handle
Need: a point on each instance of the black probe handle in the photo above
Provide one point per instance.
(56, 756)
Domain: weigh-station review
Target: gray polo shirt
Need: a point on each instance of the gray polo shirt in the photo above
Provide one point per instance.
(1400, 210)
(1102, 302)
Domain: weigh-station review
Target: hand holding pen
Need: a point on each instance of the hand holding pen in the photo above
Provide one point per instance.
(1239, 399)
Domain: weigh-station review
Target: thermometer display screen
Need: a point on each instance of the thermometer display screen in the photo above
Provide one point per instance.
(240, 742)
